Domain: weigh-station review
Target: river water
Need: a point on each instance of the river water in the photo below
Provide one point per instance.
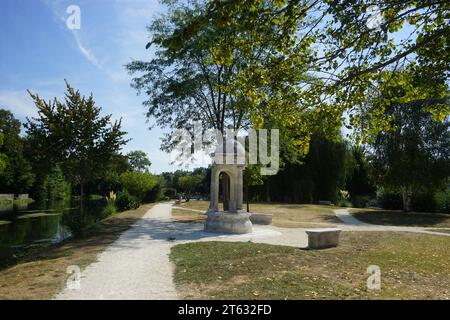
(34, 223)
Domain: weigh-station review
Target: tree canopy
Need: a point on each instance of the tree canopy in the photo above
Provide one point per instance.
(15, 170)
(301, 65)
(414, 156)
(75, 135)
(138, 160)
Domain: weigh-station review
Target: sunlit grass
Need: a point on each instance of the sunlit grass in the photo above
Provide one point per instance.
(413, 266)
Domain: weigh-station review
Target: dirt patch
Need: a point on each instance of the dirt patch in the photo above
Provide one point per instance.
(283, 215)
(187, 216)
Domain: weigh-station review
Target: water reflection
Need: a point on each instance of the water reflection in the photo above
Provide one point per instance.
(25, 224)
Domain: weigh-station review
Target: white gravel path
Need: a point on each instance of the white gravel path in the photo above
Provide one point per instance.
(135, 266)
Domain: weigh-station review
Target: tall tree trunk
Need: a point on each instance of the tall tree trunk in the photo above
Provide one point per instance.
(81, 204)
(406, 197)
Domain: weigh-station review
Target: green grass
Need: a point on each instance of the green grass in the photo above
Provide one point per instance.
(413, 266)
(398, 218)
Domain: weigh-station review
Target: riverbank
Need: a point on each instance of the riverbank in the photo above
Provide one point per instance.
(5, 202)
(42, 274)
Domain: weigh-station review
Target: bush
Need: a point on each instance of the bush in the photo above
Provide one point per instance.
(125, 201)
(344, 203)
(390, 200)
(55, 186)
(109, 210)
(442, 200)
(423, 202)
(138, 184)
(169, 193)
(360, 201)
(154, 194)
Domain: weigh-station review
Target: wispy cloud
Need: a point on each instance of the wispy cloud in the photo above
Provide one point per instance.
(85, 51)
(59, 8)
(18, 102)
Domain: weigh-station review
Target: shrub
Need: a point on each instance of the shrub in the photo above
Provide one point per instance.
(390, 200)
(169, 193)
(55, 186)
(442, 200)
(423, 202)
(125, 201)
(138, 183)
(109, 210)
(360, 201)
(154, 194)
(344, 203)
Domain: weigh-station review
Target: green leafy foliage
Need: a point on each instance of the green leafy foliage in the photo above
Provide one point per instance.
(319, 176)
(170, 193)
(138, 184)
(301, 66)
(55, 186)
(109, 210)
(188, 184)
(125, 201)
(16, 174)
(138, 160)
(390, 200)
(413, 157)
(74, 135)
(442, 200)
(3, 157)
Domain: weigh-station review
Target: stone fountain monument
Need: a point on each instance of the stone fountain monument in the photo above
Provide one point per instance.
(228, 158)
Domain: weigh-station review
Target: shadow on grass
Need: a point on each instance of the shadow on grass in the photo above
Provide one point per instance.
(398, 218)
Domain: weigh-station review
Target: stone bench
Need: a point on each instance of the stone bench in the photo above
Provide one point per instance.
(325, 203)
(261, 218)
(323, 238)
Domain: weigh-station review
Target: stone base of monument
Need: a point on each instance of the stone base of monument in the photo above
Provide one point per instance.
(228, 222)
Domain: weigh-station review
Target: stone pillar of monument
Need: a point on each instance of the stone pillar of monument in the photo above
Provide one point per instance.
(229, 159)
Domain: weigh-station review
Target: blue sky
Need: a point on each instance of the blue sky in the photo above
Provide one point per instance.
(38, 51)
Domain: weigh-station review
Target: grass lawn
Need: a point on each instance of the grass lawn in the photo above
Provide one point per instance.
(413, 266)
(399, 218)
(284, 215)
(43, 274)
